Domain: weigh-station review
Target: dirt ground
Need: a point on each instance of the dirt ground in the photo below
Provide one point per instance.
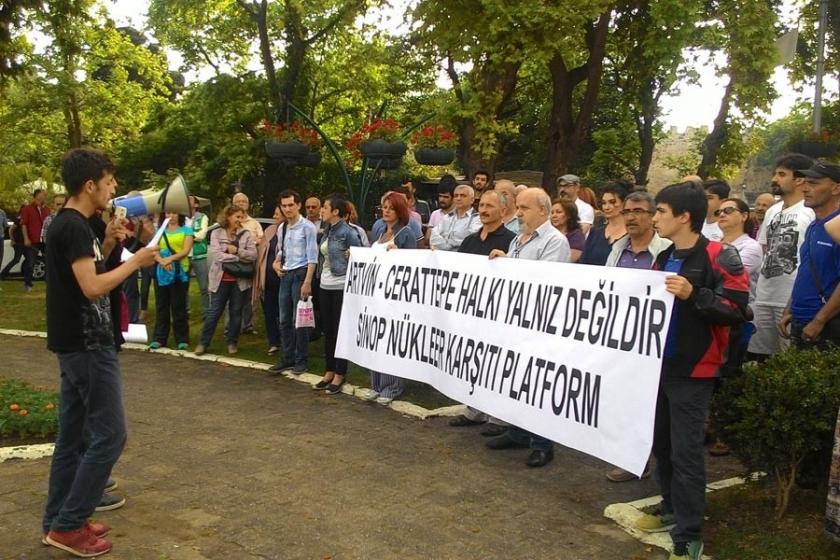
(228, 463)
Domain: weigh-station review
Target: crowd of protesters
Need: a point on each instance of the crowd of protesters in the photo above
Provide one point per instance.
(773, 271)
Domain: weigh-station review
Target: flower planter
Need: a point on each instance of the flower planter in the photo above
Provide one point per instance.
(434, 156)
(385, 163)
(311, 159)
(382, 149)
(292, 153)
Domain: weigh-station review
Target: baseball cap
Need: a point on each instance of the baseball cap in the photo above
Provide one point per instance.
(822, 169)
(568, 180)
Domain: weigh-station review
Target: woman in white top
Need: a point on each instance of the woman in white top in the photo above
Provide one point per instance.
(734, 221)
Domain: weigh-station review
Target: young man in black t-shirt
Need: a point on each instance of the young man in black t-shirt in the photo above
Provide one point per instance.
(80, 332)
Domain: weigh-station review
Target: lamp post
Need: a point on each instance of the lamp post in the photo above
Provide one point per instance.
(820, 66)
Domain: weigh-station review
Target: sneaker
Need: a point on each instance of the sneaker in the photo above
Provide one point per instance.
(371, 395)
(297, 370)
(384, 401)
(279, 368)
(111, 485)
(232, 349)
(99, 529)
(27, 289)
(183, 346)
(110, 502)
(692, 550)
(272, 350)
(656, 522)
(200, 350)
(82, 542)
(154, 345)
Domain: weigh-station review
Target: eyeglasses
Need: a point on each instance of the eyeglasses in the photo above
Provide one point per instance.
(726, 211)
(637, 212)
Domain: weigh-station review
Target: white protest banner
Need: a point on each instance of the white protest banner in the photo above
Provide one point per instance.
(570, 352)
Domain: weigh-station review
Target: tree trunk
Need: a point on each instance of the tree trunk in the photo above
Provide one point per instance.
(495, 85)
(74, 121)
(568, 128)
(713, 142)
(296, 50)
(260, 16)
(645, 123)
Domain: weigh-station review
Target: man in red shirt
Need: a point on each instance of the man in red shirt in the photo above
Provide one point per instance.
(32, 218)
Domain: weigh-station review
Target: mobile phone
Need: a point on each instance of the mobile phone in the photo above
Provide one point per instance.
(120, 212)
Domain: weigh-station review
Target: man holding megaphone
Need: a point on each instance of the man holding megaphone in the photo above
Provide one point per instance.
(80, 332)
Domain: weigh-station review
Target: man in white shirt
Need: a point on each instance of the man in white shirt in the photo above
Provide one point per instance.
(716, 191)
(781, 235)
(458, 224)
(568, 187)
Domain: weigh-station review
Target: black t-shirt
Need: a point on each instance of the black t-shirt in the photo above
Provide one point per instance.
(74, 323)
(500, 238)
(113, 261)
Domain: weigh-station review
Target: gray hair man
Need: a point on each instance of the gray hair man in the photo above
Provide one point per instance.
(507, 188)
(458, 224)
(540, 241)
(568, 187)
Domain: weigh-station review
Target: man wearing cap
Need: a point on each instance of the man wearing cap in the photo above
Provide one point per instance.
(568, 187)
(815, 301)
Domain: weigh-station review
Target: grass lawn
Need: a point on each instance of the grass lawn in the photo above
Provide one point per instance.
(26, 311)
(741, 525)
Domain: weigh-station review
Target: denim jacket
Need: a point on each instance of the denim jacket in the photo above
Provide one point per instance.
(340, 237)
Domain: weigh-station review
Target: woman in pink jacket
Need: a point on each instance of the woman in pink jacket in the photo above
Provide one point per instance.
(231, 243)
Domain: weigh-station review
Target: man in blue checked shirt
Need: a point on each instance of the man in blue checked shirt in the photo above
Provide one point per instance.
(297, 258)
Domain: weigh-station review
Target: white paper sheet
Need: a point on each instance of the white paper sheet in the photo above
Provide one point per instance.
(136, 333)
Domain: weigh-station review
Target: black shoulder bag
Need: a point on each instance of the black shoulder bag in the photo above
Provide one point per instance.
(239, 268)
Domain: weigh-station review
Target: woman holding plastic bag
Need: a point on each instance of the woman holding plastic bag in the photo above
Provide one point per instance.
(232, 254)
(334, 251)
(397, 235)
(172, 282)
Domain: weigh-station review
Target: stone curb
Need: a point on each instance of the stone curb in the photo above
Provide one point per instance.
(402, 407)
(627, 514)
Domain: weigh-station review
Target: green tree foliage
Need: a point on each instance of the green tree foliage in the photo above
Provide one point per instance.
(746, 33)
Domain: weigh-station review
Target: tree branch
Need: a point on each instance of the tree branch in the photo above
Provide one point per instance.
(453, 76)
(333, 21)
(247, 7)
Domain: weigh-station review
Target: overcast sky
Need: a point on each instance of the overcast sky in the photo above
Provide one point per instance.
(693, 105)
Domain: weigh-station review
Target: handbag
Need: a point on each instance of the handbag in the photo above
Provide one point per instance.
(305, 316)
(239, 268)
(174, 274)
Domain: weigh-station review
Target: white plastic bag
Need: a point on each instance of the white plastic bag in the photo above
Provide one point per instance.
(305, 317)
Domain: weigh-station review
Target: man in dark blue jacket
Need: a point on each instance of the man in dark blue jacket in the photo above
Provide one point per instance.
(711, 288)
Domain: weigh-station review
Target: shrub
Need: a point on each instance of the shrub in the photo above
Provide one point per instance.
(779, 411)
(26, 410)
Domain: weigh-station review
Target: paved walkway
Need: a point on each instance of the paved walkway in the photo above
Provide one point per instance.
(227, 463)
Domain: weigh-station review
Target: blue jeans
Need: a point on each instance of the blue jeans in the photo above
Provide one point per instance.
(230, 295)
(295, 341)
(90, 412)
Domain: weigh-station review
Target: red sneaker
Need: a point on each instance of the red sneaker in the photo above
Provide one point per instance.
(82, 542)
(98, 529)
